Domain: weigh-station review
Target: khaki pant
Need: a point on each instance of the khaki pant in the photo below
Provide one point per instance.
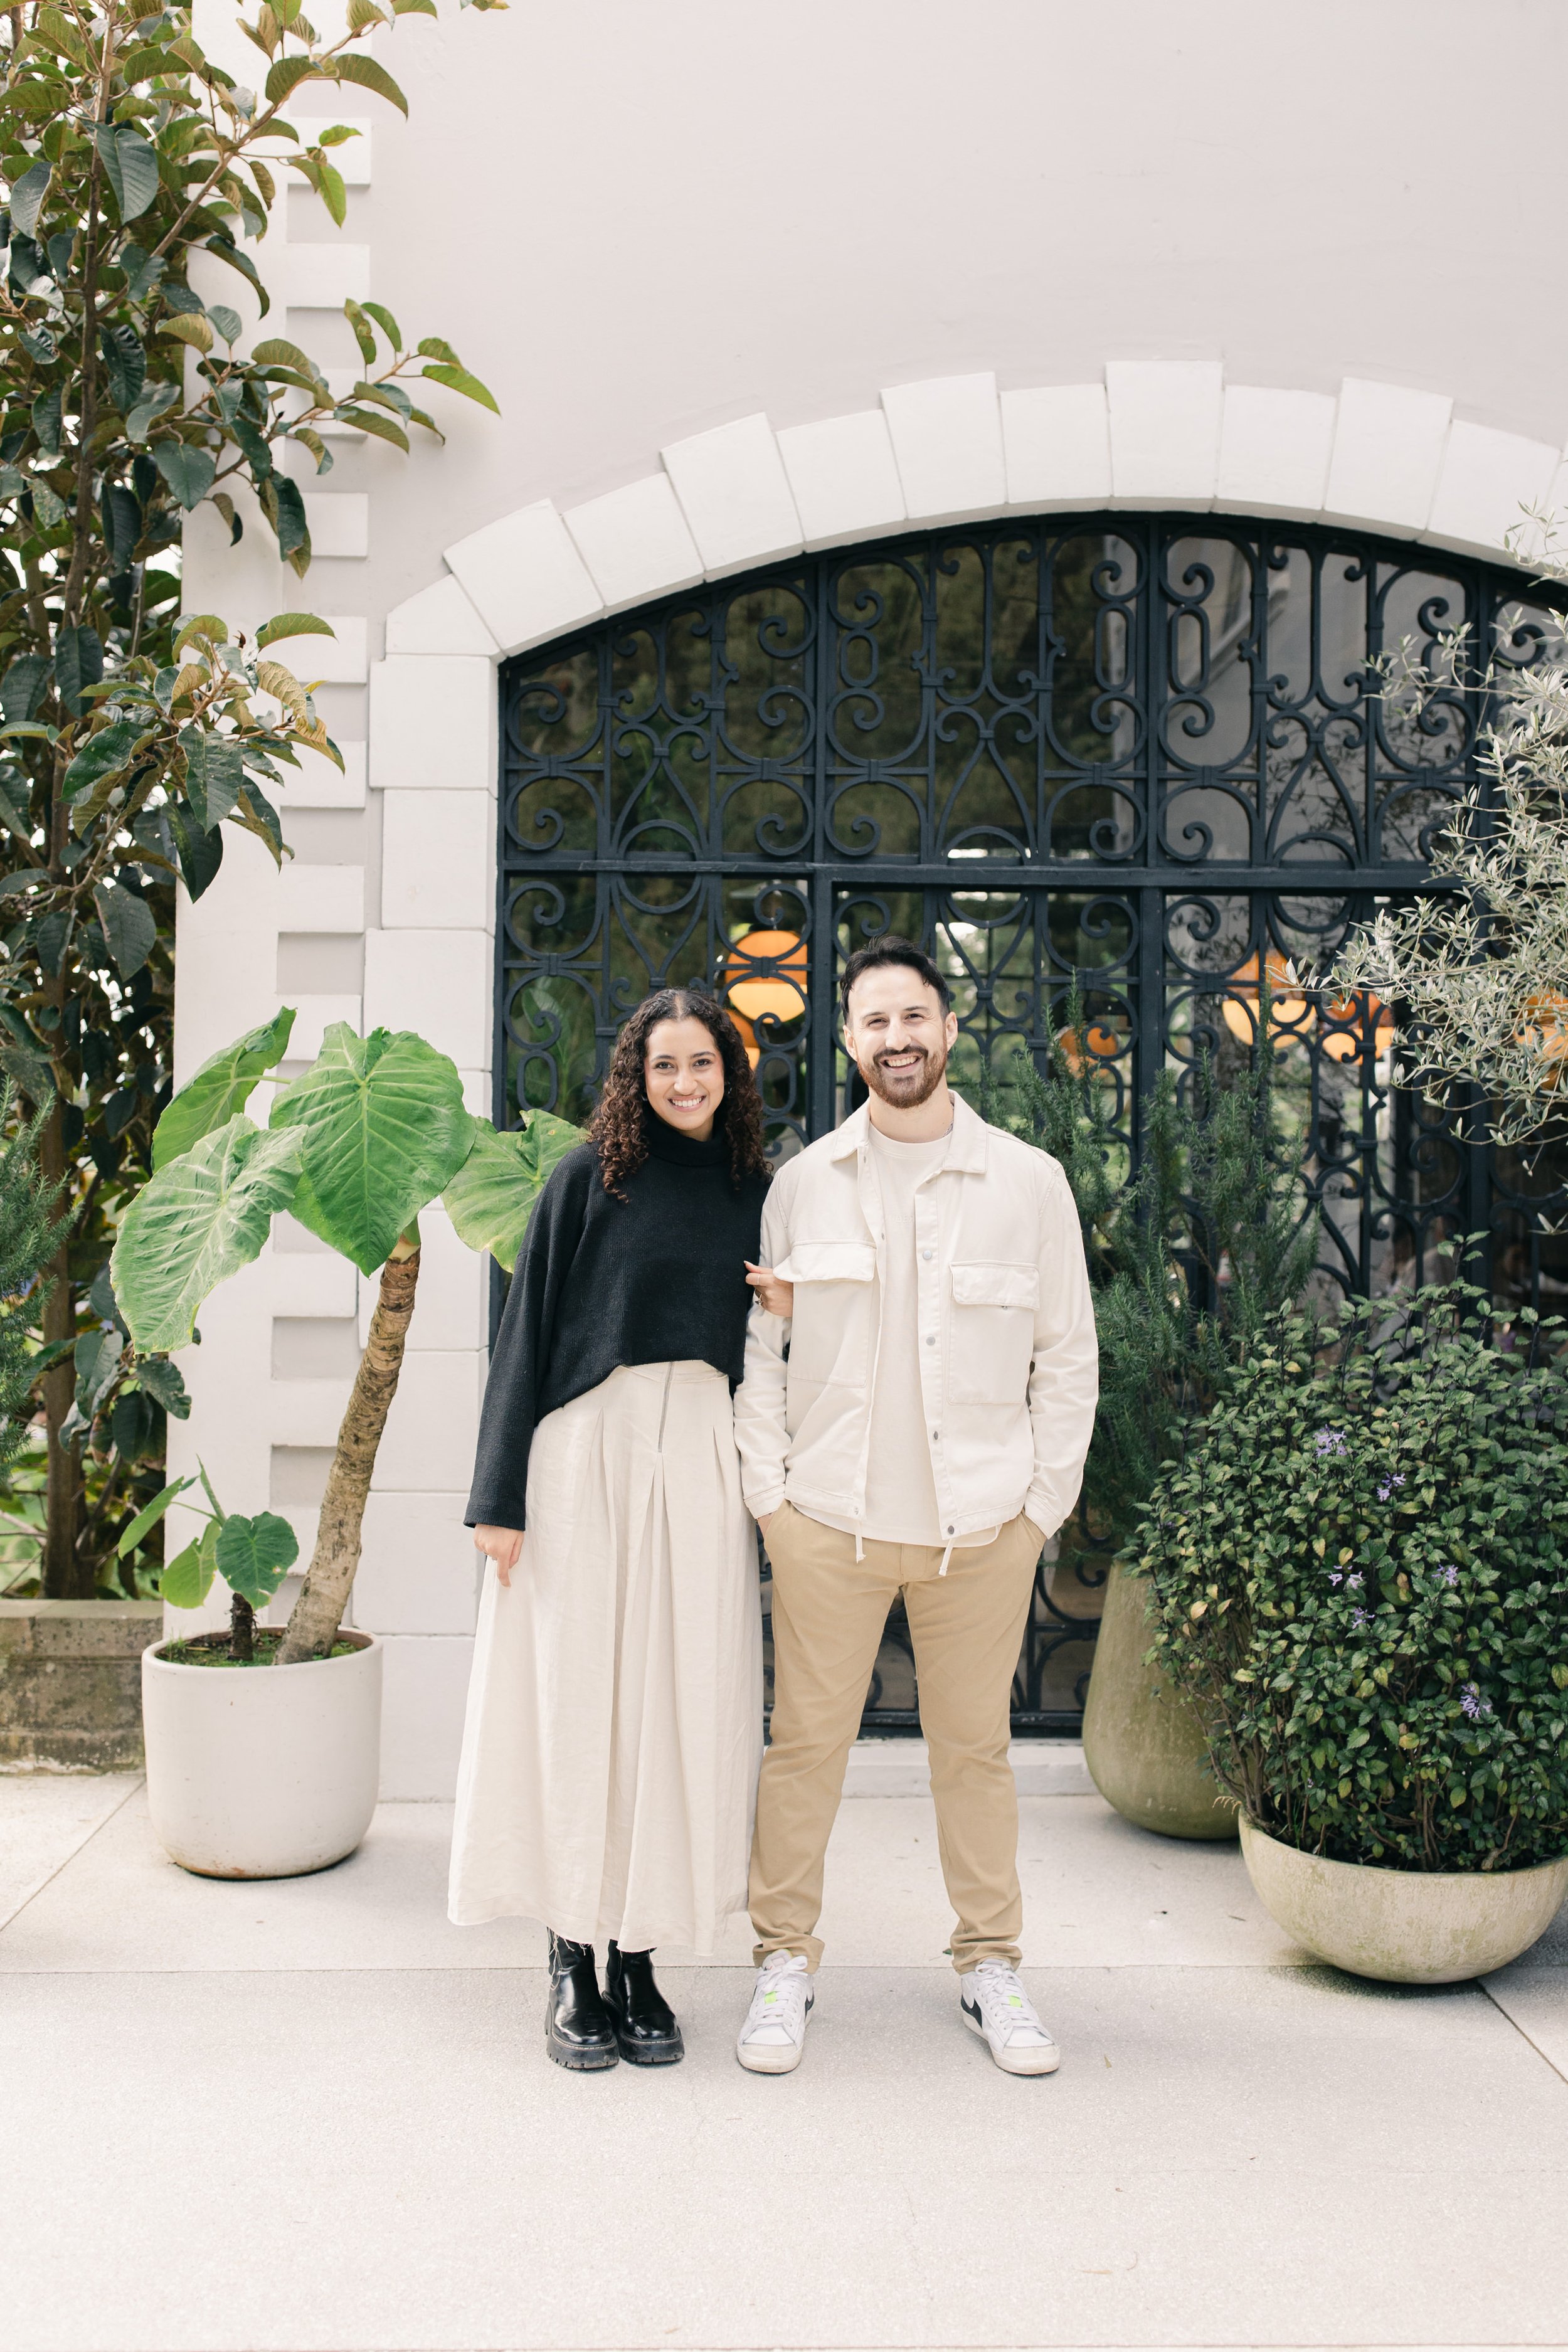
(829, 1611)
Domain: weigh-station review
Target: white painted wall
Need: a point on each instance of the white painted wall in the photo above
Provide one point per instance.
(746, 280)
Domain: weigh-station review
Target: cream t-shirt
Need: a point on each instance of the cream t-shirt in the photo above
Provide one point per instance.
(901, 1490)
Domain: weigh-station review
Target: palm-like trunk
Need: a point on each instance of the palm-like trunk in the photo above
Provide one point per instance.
(318, 1612)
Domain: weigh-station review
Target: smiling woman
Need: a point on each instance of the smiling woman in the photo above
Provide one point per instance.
(614, 1716)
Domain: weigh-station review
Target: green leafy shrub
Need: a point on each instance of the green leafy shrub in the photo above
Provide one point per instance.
(1361, 1577)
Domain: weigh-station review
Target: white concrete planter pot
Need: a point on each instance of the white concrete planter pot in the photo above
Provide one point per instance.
(262, 1771)
(1405, 1927)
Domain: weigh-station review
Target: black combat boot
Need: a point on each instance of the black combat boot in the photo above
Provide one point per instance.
(644, 2021)
(578, 2028)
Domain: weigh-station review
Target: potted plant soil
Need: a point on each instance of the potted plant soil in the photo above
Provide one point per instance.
(1359, 1577)
(262, 1744)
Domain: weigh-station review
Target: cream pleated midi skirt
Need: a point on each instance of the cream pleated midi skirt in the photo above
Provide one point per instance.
(614, 1717)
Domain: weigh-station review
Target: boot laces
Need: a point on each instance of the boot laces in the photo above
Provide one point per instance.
(1004, 2007)
(777, 2013)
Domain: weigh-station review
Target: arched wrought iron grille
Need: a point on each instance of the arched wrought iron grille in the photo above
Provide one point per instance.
(1145, 756)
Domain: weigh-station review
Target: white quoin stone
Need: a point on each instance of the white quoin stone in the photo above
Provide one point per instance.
(947, 439)
(436, 871)
(635, 543)
(735, 494)
(844, 478)
(338, 522)
(314, 1014)
(1165, 430)
(418, 1567)
(1056, 440)
(311, 1282)
(425, 1688)
(1485, 483)
(341, 659)
(433, 1424)
(437, 982)
(1388, 448)
(1274, 450)
(321, 898)
(440, 620)
(524, 577)
(432, 722)
(321, 277)
(319, 782)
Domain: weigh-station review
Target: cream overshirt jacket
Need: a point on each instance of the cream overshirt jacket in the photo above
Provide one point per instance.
(1008, 1361)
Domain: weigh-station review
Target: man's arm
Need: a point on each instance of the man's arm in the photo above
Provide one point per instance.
(760, 1431)
(1064, 1385)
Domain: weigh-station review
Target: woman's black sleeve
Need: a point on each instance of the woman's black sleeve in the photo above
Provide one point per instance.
(522, 1354)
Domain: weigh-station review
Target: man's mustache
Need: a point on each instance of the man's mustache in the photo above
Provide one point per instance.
(887, 1051)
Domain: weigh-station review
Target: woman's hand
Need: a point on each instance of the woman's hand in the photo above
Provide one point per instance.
(777, 1295)
(504, 1545)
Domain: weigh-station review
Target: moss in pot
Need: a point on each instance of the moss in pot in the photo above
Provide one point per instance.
(1360, 1574)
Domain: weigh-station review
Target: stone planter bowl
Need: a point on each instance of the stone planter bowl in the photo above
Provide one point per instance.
(262, 1771)
(1403, 1926)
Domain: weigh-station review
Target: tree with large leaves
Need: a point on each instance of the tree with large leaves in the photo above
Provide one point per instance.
(128, 744)
(356, 1146)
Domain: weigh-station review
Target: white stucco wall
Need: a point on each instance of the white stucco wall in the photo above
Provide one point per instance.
(744, 279)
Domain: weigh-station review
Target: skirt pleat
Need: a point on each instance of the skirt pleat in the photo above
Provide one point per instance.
(615, 1724)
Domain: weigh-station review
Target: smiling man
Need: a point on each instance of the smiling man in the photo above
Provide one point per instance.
(923, 1433)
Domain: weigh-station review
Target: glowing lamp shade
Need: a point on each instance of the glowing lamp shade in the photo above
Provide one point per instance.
(1287, 1009)
(1545, 1032)
(1354, 1019)
(1104, 1045)
(765, 979)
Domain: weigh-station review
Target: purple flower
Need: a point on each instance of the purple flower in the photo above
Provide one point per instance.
(1359, 1618)
(1472, 1704)
(1395, 1478)
(1354, 1583)
(1330, 1441)
(1447, 1571)
(1337, 1576)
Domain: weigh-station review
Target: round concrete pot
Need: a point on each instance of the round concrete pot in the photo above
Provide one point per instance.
(262, 1771)
(1141, 1741)
(1405, 1927)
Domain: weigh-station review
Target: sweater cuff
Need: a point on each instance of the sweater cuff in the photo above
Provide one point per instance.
(488, 1513)
(763, 1506)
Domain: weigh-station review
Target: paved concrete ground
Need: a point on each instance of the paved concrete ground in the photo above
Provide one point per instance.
(311, 2117)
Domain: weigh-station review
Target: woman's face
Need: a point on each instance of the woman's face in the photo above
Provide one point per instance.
(683, 1073)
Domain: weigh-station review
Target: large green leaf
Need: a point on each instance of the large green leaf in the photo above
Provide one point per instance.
(255, 1555)
(197, 1221)
(493, 1194)
(382, 1131)
(221, 1087)
(187, 1580)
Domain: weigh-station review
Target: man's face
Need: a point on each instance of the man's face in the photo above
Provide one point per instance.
(898, 1034)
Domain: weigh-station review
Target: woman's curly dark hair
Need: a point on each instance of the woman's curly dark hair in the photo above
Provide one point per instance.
(619, 1124)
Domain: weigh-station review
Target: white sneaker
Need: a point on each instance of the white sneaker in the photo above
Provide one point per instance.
(994, 2004)
(773, 2034)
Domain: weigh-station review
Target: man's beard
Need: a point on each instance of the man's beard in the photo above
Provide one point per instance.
(906, 1089)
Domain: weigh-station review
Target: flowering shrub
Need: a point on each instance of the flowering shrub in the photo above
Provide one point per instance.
(1360, 1576)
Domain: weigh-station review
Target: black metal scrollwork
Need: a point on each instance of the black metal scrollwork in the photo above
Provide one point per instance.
(1145, 757)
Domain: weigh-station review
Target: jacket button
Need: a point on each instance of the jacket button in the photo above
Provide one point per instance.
(928, 1253)
(936, 1433)
(950, 1531)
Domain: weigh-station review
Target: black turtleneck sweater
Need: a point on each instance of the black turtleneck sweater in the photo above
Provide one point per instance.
(655, 1278)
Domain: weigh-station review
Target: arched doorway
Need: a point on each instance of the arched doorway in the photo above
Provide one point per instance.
(1145, 756)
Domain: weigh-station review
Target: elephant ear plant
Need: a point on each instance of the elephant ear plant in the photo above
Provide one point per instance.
(356, 1145)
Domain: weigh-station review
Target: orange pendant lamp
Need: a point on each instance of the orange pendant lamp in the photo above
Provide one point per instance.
(765, 979)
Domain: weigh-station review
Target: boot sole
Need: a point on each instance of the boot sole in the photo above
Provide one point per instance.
(581, 2061)
(1035, 2062)
(670, 2055)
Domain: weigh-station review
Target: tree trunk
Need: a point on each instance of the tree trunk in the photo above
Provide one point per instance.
(241, 1631)
(66, 1575)
(318, 1612)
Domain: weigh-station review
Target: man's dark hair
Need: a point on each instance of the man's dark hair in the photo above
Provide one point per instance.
(892, 951)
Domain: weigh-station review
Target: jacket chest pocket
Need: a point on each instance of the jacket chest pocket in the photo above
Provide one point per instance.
(994, 1311)
(830, 1337)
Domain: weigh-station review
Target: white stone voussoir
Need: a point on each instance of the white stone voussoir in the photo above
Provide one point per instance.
(1485, 482)
(1056, 439)
(844, 478)
(439, 620)
(1274, 450)
(338, 522)
(432, 723)
(735, 496)
(635, 543)
(524, 577)
(947, 440)
(1165, 430)
(1388, 448)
